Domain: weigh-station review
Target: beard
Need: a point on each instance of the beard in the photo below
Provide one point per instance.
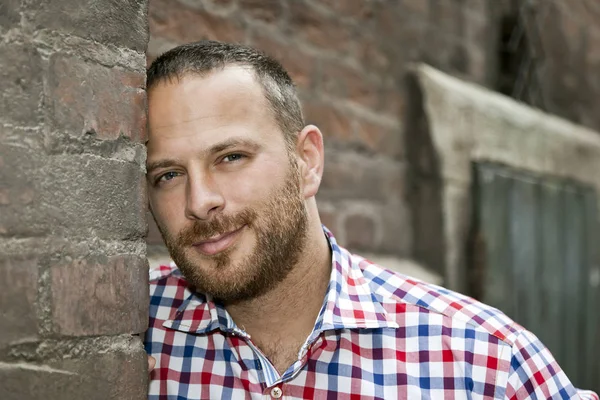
(280, 227)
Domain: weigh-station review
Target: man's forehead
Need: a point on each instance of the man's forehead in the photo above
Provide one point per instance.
(228, 101)
(233, 91)
(230, 79)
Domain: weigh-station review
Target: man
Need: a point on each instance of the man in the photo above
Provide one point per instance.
(261, 301)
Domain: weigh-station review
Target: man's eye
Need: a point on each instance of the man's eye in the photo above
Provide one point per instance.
(167, 177)
(232, 157)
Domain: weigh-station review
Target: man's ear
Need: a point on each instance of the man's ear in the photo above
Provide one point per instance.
(311, 159)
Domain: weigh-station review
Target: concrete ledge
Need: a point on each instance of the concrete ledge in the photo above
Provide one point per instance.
(463, 123)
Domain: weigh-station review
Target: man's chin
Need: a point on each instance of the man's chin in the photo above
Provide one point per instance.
(226, 286)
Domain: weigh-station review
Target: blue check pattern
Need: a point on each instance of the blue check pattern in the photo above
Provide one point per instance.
(379, 335)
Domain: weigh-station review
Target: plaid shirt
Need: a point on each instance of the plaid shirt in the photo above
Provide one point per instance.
(379, 335)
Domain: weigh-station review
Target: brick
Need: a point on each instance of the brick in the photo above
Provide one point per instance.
(116, 22)
(359, 10)
(479, 67)
(68, 195)
(350, 84)
(380, 139)
(360, 232)
(372, 55)
(476, 8)
(86, 195)
(409, 39)
(323, 31)
(333, 123)
(20, 84)
(265, 10)
(85, 97)
(20, 211)
(418, 7)
(18, 294)
(387, 21)
(447, 17)
(301, 66)
(439, 49)
(100, 296)
(392, 101)
(329, 218)
(478, 32)
(182, 24)
(157, 46)
(348, 175)
(9, 14)
(106, 373)
(397, 235)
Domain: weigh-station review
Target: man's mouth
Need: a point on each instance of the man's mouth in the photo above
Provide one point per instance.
(217, 244)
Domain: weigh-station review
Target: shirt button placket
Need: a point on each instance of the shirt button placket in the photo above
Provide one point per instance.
(276, 392)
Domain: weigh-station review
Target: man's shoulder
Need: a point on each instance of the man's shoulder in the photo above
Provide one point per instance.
(401, 294)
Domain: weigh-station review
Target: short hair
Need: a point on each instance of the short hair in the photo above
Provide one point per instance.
(204, 57)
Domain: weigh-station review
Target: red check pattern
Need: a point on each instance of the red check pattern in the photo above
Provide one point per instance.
(379, 335)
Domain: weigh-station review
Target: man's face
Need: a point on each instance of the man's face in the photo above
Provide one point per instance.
(223, 189)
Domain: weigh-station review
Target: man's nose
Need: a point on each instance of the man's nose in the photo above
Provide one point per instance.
(203, 197)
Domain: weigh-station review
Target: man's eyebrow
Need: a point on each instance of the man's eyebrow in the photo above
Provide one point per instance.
(232, 142)
(160, 164)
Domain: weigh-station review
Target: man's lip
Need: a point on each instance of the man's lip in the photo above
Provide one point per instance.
(217, 244)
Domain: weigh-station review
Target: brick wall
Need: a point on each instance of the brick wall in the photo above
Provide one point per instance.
(73, 273)
(348, 59)
(570, 68)
(563, 39)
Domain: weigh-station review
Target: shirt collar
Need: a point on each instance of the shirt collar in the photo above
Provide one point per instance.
(349, 302)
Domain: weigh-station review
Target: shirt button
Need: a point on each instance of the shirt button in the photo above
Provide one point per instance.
(276, 393)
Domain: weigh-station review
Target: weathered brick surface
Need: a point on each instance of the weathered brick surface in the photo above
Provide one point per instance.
(100, 295)
(87, 97)
(335, 124)
(20, 84)
(319, 29)
(9, 14)
(77, 195)
(264, 10)
(350, 84)
(94, 372)
(18, 294)
(359, 10)
(72, 199)
(302, 66)
(117, 22)
(352, 176)
(96, 196)
(20, 215)
(380, 139)
(183, 24)
(571, 61)
(361, 231)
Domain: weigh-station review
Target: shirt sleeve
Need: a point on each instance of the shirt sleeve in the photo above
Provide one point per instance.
(535, 374)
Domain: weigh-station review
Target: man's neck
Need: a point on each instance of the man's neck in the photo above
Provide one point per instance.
(281, 320)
